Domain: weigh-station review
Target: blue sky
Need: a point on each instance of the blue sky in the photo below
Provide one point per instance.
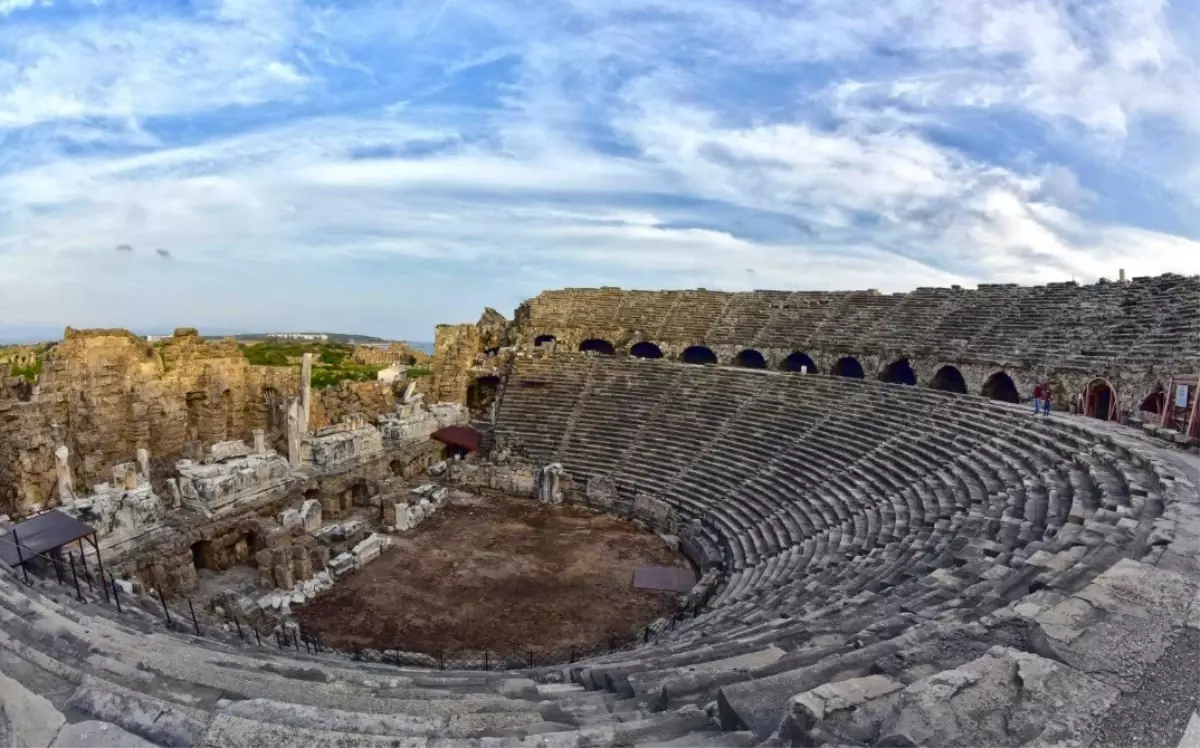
(380, 167)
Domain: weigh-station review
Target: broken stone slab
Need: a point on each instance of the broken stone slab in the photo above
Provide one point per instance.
(222, 451)
(26, 718)
(1116, 626)
(829, 702)
(438, 468)
(95, 734)
(289, 518)
(342, 564)
(145, 716)
(1004, 698)
(310, 515)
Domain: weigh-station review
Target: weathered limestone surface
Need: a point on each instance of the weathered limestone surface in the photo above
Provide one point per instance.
(120, 515)
(416, 421)
(104, 394)
(239, 479)
(1005, 698)
(1113, 628)
(335, 446)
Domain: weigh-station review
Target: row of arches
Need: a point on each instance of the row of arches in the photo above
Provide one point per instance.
(1098, 400)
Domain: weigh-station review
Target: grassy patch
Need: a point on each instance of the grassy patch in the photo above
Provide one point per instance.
(29, 373)
(332, 361)
(416, 372)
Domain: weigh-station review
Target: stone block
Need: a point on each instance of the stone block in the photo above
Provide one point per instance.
(1117, 625)
(1006, 697)
(229, 450)
(311, 515)
(283, 577)
(342, 564)
(319, 556)
(831, 704)
(289, 519)
(302, 569)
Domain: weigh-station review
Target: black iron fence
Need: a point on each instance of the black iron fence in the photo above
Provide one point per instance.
(90, 584)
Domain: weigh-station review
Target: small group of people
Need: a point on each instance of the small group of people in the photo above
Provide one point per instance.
(1041, 398)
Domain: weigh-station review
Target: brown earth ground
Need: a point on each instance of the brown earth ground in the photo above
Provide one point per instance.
(498, 574)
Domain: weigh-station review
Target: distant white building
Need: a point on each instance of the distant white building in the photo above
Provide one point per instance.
(157, 338)
(306, 336)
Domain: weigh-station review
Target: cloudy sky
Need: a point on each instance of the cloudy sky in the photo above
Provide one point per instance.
(378, 167)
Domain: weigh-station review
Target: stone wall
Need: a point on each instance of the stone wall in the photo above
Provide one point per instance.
(105, 394)
(331, 405)
(1131, 335)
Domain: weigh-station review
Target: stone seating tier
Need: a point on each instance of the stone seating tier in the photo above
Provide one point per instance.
(880, 541)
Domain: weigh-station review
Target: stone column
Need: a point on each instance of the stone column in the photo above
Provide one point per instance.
(176, 497)
(260, 442)
(305, 392)
(293, 433)
(62, 467)
(143, 460)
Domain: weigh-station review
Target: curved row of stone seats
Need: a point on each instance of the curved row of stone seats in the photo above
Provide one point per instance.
(1148, 322)
(128, 683)
(876, 514)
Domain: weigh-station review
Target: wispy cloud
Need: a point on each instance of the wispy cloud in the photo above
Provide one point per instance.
(395, 169)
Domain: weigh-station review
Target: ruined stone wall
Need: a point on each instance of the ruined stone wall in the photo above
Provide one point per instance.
(396, 352)
(106, 393)
(331, 404)
(455, 348)
(1133, 335)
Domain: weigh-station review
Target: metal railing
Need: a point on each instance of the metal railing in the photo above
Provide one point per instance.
(74, 574)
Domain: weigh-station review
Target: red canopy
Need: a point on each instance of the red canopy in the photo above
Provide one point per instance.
(459, 436)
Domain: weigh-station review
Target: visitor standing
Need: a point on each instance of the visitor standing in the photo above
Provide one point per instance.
(1037, 398)
(1045, 398)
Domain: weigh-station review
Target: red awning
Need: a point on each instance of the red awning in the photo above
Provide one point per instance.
(459, 436)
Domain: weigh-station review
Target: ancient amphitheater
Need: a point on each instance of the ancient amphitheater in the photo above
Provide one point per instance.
(889, 548)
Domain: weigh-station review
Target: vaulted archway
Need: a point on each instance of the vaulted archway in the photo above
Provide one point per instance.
(1100, 400)
(698, 354)
(949, 379)
(899, 372)
(645, 350)
(596, 345)
(481, 393)
(543, 340)
(750, 359)
(848, 366)
(1000, 386)
(799, 361)
(1154, 402)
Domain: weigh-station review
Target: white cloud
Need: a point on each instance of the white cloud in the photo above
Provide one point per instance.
(623, 142)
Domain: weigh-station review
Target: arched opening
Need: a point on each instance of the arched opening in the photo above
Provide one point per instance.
(543, 339)
(799, 362)
(899, 372)
(595, 345)
(1100, 400)
(949, 379)
(750, 359)
(1154, 402)
(1000, 386)
(645, 350)
(481, 393)
(848, 366)
(698, 354)
(200, 555)
(397, 467)
(195, 411)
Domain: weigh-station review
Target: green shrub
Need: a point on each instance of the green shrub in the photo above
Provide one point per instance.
(416, 372)
(29, 373)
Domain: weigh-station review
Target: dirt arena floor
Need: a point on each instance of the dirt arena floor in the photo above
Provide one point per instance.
(498, 574)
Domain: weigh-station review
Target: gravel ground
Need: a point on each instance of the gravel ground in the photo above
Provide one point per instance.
(1157, 714)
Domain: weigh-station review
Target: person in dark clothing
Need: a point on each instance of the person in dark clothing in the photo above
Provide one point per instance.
(1046, 396)
(1038, 392)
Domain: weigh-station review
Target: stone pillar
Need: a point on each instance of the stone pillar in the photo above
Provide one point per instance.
(176, 497)
(260, 442)
(293, 433)
(62, 467)
(408, 391)
(305, 392)
(130, 477)
(143, 460)
(548, 489)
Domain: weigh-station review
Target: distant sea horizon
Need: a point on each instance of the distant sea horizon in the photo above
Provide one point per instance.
(426, 348)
